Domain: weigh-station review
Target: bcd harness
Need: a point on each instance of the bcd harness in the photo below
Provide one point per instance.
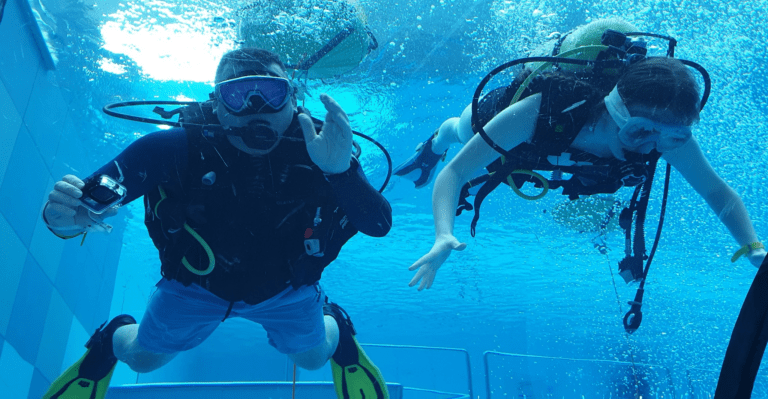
(246, 227)
(558, 123)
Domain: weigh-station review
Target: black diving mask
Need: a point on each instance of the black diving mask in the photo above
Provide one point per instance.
(254, 94)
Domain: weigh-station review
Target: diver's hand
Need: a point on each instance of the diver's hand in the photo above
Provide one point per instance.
(64, 212)
(429, 263)
(331, 149)
(756, 257)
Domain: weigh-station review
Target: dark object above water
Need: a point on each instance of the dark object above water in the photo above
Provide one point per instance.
(748, 340)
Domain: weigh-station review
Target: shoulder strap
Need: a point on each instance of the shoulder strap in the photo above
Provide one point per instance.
(566, 105)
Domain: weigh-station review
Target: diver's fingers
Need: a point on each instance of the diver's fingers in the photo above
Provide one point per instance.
(56, 210)
(68, 189)
(64, 198)
(333, 107)
(431, 280)
(307, 127)
(415, 279)
(414, 266)
(73, 180)
(418, 263)
(425, 282)
(337, 117)
(419, 274)
(340, 122)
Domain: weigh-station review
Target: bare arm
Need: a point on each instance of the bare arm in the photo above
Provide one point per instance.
(508, 129)
(721, 198)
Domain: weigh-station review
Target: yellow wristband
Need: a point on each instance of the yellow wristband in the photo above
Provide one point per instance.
(747, 249)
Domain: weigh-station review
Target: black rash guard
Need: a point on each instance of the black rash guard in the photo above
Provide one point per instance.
(157, 157)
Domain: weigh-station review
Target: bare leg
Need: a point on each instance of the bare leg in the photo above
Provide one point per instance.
(126, 346)
(454, 130)
(316, 357)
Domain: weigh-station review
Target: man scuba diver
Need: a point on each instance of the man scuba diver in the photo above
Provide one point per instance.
(245, 217)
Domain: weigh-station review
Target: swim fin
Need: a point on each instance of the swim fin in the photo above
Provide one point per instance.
(89, 377)
(354, 375)
(421, 166)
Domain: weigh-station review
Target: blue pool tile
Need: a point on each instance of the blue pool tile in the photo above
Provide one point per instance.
(9, 129)
(46, 247)
(30, 311)
(75, 347)
(15, 373)
(114, 250)
(79, 281)
(21, 57)
(70, 155)
(54, 339)
(38, 386)
(103, 302)
(87, 305)
(26, 174)
(68, 277)
(98, 245)
(46, 116)
(14, 256)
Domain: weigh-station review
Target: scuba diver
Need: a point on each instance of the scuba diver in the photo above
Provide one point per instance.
(604, 126)
(246, 210)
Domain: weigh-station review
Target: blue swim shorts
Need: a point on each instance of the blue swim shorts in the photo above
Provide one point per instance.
(179, 318)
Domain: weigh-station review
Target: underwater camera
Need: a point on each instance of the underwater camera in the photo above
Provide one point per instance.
(101, 193)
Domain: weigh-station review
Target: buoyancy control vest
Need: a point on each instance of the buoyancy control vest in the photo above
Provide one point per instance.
(246, 227)
(567, 105)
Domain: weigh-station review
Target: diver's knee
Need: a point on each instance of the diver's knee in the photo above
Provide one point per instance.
(311, 364)
(146, 362)
(125, 345)
(308, 361)
(312, 359)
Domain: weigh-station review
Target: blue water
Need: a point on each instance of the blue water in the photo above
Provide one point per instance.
(526, 284)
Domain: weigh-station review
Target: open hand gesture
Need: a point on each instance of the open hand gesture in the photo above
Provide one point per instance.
(331, 149)
(428, 264)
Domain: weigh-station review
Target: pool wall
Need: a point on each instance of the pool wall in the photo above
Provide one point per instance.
(53, 293)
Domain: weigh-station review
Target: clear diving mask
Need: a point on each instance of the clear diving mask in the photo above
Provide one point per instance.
(642, 133)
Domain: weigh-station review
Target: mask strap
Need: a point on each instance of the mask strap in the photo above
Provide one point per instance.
(616, 108)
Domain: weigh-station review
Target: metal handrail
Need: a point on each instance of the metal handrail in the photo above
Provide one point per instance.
(502, 354)
(461, 395)
(466, 357)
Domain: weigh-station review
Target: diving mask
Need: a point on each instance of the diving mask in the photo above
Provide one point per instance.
(641, 133)
(254, 94)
